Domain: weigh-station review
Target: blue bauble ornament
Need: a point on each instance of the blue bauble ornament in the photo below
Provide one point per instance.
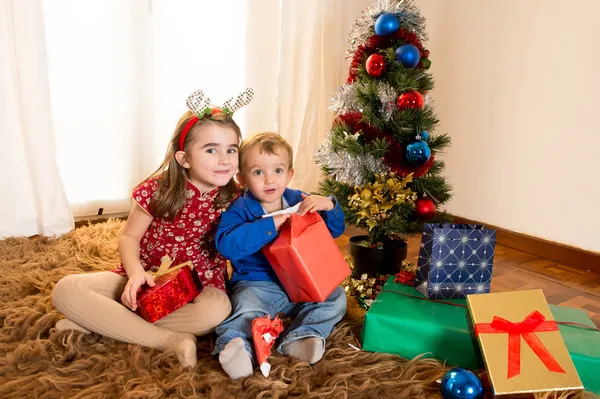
(408, 55)
(386, 24)
(418, 153)
(461, 384)
(424, 135)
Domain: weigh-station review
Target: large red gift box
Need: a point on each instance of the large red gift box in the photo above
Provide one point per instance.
(175, 287)
(306, 259)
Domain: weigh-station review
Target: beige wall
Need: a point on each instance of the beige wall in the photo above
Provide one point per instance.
(517, 88)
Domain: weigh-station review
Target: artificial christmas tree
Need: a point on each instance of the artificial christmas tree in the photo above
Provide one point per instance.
(379, 158)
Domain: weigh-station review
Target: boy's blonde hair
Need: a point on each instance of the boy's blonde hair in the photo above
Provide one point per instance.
(268, 142)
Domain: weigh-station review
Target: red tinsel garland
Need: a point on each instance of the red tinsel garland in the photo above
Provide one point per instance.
(376, 42)
(401, 34)
(402, 168)
(356, 123)
(394, 157)
(359, 55)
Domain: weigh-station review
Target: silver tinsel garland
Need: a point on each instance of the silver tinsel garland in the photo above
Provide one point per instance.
(345, 168)
(345, 99)
(407, 11)
(388, 96)
(427, 101)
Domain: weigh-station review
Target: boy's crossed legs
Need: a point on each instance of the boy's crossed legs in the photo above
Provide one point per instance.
(304, 339)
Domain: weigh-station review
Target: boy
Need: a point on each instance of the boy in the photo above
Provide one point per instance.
(265, 163)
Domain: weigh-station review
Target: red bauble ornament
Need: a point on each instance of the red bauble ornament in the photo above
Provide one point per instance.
(375, 65)
(411, 99)
(425, 208)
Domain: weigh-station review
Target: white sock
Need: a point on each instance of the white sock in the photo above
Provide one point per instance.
(235, 360)
(308, 350)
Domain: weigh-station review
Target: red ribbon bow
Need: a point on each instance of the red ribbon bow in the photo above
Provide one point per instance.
(405, 277)
(534, 323)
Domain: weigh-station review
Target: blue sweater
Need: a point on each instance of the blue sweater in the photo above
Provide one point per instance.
(242, 232)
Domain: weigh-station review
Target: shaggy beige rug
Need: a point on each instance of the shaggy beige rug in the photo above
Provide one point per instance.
(39, 362)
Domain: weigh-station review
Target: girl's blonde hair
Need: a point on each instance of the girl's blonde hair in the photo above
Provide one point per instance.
(171, 177)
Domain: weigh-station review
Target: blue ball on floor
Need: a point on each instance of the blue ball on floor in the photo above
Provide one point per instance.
(460, 383)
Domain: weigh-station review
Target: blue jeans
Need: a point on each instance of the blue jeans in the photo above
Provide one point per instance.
(252, 299)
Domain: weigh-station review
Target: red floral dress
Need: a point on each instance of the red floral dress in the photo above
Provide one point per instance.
(190, 236)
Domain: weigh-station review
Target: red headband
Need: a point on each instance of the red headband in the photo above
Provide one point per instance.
(188, 126)
(185, 131)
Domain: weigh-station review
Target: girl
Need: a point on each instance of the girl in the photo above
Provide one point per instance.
(175, 213)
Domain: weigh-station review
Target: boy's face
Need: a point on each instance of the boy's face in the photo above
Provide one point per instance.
(266, 175)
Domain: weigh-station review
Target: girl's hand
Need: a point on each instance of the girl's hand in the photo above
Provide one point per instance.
(313, 203)
(280, 220)
(129, 296)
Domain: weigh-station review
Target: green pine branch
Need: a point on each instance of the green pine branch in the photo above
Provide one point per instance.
(435, 185)
(403, 126)
(438, 143)
(437, 167)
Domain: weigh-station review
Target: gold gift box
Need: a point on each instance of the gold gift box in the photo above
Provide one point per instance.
(521, 346)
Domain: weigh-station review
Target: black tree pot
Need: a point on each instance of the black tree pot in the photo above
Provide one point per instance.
(373, 261)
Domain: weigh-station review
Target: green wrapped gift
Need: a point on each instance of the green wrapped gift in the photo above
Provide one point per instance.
(401, 321)
(407, 326)
(583, 344)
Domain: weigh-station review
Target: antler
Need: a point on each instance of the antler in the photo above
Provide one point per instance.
(199, 103)
(230, 106)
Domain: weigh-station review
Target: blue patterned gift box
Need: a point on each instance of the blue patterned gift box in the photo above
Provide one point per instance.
(455, 260)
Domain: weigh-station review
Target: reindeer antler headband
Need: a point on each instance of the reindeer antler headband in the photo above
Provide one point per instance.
(199, 103)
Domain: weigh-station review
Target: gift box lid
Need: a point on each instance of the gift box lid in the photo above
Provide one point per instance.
(306, 259)
(455, 260)
(521, 345)
(145, 291)
(164, 275)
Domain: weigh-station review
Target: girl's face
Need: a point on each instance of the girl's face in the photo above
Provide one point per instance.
(212, 157)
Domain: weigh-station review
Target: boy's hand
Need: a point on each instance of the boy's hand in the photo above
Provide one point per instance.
(313, 203)
(280, 220)
(129, 296)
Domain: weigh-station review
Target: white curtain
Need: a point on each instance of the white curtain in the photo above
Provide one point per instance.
(296, 58)
(115, 81)
(120, 72)
(33, 198)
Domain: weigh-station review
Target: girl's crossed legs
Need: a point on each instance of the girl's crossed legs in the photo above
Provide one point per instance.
(91, 303)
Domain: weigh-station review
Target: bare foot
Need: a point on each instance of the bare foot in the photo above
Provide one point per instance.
(66, 324)
(235, 360)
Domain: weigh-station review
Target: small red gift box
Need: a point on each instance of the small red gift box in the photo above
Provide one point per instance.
(174, 288)
(306, 259)
(264, 333)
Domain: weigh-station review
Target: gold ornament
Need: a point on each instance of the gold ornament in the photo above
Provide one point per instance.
(373, 202)
(366, 194)
(366, 288)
